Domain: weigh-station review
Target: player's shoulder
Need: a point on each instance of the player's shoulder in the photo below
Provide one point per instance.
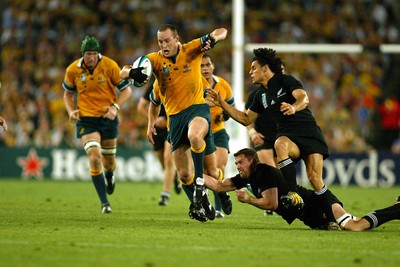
(75, 66)
(108, 61)
(268, 169)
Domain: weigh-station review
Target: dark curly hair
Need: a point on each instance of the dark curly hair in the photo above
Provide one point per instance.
(267, 56)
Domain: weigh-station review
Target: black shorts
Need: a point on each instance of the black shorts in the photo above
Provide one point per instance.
(268, 144)
(313, 215)
(310, 140)
(160, 138)
(107, 128)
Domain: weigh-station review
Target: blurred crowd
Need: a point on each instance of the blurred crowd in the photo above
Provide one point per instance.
(39, 39)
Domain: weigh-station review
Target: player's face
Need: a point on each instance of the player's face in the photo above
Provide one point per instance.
(243, 165)
(90, 58)
(168, 43)
(207, 68)
(256, 72)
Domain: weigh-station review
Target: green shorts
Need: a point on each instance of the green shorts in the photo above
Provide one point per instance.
(221, 139)
(179, 125)
(108, 129)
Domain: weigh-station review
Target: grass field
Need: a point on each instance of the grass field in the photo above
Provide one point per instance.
(59, 224)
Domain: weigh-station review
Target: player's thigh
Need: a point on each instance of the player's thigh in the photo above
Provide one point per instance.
(286, 148)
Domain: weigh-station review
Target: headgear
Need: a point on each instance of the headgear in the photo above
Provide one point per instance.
(90, 44)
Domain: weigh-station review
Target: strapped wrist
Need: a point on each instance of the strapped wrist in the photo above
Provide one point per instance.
(252, 132)
(116, 106)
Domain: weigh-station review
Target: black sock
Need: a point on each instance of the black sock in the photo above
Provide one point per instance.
(108, 174)
(326, 198)
(289, 172)
(378, 217)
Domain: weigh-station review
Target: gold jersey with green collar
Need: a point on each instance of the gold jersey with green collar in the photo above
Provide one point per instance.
(94, 90)
(179, 78)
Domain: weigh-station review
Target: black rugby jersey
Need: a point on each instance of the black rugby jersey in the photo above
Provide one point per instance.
(263, 178)
(279, 89)
(265, 122)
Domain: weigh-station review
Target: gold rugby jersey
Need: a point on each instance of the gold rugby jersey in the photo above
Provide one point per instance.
(95, 90)
(179, 78)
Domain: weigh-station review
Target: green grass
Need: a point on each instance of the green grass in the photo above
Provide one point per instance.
(59, 224)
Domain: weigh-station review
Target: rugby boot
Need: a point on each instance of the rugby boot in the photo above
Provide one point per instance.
(226, 202)
(292, 199)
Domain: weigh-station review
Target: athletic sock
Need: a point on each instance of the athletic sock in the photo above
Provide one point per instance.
(165, 194)
(378, 217)
(289, 172)
(217, 201)
(189, 190)
(108, 174)
(198, 160)
(100, 185)
(325, 196)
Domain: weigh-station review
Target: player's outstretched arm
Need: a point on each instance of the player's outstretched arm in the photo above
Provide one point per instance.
(219, 34)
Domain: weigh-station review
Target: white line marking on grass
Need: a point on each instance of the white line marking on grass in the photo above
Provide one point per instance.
(191, 248)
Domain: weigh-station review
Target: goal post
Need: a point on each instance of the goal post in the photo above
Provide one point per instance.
(324, 48)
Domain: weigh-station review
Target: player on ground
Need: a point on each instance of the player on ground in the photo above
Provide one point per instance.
(268, 185)
(162, 147)
(299, 136)
(92, 80)
(221, 137)
(177, 70)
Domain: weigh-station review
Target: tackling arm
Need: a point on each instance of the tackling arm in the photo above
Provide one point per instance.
(218, 186)
(244, 118)
(269, 200)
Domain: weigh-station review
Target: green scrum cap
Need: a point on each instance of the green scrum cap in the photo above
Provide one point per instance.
(90, 44)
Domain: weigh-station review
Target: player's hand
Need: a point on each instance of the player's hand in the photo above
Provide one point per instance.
(124, 73)
(287, 109)
(151, 130)
(3, 124)
(111, 112)
(138, 75)
(74, 116)
(213, 97)
(242, 195)
(257, 139)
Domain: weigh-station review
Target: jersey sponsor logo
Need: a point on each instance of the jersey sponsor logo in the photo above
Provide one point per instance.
(264, 100)
(83, 78)
(280, 94)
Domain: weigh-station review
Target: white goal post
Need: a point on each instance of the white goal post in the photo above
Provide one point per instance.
(323, 48)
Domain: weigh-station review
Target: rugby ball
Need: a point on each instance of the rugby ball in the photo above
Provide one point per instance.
(144, 62)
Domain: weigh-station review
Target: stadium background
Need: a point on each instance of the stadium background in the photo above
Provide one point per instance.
(40, 38)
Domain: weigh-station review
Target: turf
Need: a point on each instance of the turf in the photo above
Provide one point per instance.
(54, 223)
